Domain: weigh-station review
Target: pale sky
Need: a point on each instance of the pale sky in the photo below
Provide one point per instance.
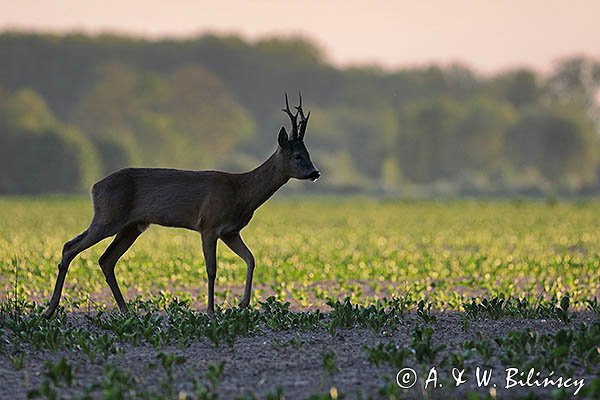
(487, 35)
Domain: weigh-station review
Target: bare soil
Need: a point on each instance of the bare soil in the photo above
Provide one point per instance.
(291, 360)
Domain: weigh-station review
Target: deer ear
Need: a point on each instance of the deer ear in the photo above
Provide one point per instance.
(282, 138)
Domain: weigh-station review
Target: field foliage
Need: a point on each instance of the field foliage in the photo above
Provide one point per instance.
(346, 294)
(309, 250)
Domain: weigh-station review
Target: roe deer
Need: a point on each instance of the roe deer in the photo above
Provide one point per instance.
(215, 204)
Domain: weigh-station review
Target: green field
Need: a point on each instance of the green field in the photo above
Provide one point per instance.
(347, 293)
(308, 250)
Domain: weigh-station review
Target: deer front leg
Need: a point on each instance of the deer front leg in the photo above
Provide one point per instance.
(237, 245)
(209, 247)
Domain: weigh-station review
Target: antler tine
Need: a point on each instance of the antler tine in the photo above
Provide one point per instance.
(303, 118)
(293, 117)
(303, 125)
(299, 108)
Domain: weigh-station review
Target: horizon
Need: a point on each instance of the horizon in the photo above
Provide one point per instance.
(465, 32)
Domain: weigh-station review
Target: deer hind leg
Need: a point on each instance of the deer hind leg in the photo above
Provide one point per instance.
(122, 242)
(74, 241)
(71, 249)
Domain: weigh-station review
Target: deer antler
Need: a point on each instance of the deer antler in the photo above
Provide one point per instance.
(303, 118)
(293, 117)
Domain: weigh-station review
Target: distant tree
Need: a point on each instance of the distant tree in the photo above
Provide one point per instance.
(480, 133)
(116, 152)
(207, 113)
(188, 119)
(104, 115)
(443, 138)
(25, 110)
(559, 142)
(362, 133)
(342, 173)
(197, 103)
(37, 153)
(519, 87)
(391, 174)
(429, 144)
(576, 80)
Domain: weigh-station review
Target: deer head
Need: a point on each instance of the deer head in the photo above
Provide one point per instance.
(292, 150)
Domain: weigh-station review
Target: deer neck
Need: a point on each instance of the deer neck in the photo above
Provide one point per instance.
(262, 182)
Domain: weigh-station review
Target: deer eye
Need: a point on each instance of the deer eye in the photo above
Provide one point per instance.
(297, 156)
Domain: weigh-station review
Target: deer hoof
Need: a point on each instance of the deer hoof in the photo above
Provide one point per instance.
(245, 304)
(49, 312)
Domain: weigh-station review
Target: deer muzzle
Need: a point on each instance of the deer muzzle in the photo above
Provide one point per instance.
(313, 176)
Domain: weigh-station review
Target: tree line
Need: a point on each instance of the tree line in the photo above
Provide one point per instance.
(75, 107)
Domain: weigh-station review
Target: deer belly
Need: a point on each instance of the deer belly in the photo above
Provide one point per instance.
(234, 226)
(173, 216)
